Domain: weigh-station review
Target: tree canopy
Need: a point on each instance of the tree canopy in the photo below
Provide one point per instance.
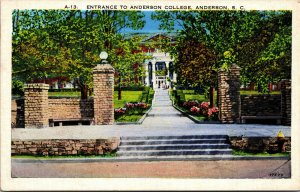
(195, 64)
(258, 41)
(68, 42)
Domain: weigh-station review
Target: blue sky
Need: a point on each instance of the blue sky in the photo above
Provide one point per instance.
(151, 26)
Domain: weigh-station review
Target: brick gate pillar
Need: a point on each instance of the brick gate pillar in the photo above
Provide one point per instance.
(103, 77)
(229, 99)
(36, 105)
(286, 102)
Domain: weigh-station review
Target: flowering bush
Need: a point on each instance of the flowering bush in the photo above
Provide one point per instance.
(120, 111)
(141, 105)
(131, 108)
(129, 105)
(203, 109)
(190, 104)
(195, 110)
(213, 113)
(204, 105)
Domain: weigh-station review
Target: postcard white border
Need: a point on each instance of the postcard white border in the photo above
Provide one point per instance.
(20, 184)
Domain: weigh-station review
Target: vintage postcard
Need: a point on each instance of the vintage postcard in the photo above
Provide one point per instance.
(139, 95)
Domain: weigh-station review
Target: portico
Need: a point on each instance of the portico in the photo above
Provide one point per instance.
(160, 70)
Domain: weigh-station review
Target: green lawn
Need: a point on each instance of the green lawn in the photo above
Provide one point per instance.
(127, 96)
(74, 93)
(243, 153)
(191, 95)
(129, 118)
(199, 118)
(243, 92)
(195, 97)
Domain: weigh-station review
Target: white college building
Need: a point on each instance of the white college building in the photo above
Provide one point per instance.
(160, 69)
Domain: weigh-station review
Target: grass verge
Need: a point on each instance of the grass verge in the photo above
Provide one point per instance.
(108, 155)
(243, 153)
(244, 92)
(129, 118)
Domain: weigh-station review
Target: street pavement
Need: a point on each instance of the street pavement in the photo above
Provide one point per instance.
(241, 169)
(162, 120)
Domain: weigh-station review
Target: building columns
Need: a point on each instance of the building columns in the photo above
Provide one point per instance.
(153, 74)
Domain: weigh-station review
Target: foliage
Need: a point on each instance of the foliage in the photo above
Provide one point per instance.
(127, 60)
(258, 41)
(268, 53)
(49, 43)
(195, 63)
(160, 73)
(17, 87)
(202, 109)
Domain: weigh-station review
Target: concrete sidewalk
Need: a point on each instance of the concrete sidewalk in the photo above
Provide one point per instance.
(163, 120)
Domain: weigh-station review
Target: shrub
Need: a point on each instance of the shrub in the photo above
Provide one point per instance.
(119, 112)
(203, 109)
(189, 104)
(17, 87)
(195, 110)
(213, 113)
(133, 108)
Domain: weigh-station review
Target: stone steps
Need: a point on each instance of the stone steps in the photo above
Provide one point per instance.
(175, 152)
(174, 146)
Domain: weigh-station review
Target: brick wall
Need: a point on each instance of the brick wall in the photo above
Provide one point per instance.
(17, 113)
(58, 147)
(229, 94)
(260, 105)
(286, 102)
(61, 108)
(258, 144)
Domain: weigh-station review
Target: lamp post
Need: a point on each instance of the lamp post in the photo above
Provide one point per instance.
(103, 56)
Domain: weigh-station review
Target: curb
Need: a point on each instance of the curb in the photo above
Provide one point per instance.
(137, 122)
(90, 160)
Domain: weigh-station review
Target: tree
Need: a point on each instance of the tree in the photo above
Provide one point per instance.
(127, 59)
(266, 57)
(195, 63)
(226, 32)
(71, 40)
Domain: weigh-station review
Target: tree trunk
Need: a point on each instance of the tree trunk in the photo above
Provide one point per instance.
(119, 89)
(84, 92)
(90, 92)
(211, 96)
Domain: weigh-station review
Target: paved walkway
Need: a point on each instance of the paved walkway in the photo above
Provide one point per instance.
(163, 113)
(163, 119)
